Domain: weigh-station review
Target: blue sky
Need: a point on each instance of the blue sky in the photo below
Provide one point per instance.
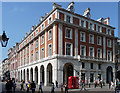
(18, 17)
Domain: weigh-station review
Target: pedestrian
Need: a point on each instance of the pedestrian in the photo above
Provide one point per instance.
(112, 85)
(33, 86)
(83, 85)
(40, 88)
(28, 86)
(8, 87)
(61, 87)
(22, 85)
(52, 88)
(95, 83)
(66, 88)
(14, 86)
(101, 83)
(56, 84)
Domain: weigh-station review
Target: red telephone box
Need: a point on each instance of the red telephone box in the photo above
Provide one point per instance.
(76, 82)
(70, 82)
(73, 82)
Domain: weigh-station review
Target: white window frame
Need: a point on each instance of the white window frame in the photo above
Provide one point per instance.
(100, 53)
(97, 28)
(36, 55)
(70, 33)
(49, 19)
(100, 40)
(107, 43)
(49, 49)
(69, 19)
(92, 26)
(109, 30)
(42, 39)
(42, 55)
(110, 55)
(84, 37)
(93, 51)
(71, 52)
(83, 23)
(42, 26)
(81, 50)
(92, 38)
(49, 38)
(36, 43)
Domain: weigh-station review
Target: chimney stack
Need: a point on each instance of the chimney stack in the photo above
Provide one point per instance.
(71, 7)
(56, 6)
(101, 20)
(107, 21)
(87, 13)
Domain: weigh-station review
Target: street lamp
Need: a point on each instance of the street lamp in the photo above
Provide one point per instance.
(4, 39)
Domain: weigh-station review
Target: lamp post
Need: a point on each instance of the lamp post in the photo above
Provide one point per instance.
(4, 39)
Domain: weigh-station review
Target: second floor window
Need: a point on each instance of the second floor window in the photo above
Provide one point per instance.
(91, 51)
(109, 56)
(50, 50)
(49, 35)
(42, 39)
(68, 19)
(91, 39)
(82, 48)
(68, 33)
(91, 26)
(36, 55)
(42, 53)
(82, 36)
(108, 32)
(108, 43)
(36, 43)
(99, 53)
(82, 23)
(99, 40)
(99, 29)
(68, 49)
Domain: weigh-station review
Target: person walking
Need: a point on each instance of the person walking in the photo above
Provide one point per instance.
(8, 87)
(101, 83)
(14, 86)
(56, 84)
(40, 88)
(61, 87)
(66, 88)
(22, 85)
(111, 85)
(95, 83)
(28, 86)
(33, 86)
(52, 88)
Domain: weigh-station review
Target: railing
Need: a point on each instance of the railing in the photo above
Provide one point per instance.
(91, 58)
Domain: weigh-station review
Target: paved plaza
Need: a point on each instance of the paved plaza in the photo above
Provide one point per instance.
(47, 89)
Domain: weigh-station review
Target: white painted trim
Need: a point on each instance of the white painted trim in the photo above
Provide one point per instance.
(71, 48)
(76, 42)
(60, 39)
(45, 43)
(93, 51)
(70, 33)
(48, 49)
(93, 39)
(54, 39)
(84, 50)
(104, 47)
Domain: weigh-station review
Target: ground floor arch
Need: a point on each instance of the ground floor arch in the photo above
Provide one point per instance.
(27, 74)
(49, 74)
(67, 71)
(36, 75)
(109, 74)
(42, 74)
(24, 75)
(31, 74)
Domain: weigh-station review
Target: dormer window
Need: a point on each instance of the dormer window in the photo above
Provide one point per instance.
(82, 23)
(99, 29)
(49, 19)
(68, 19)
(91, 26)
(108, 32)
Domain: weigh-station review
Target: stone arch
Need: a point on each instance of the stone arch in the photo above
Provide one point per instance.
(68, 70)
(24, 74)
(49, 74)
(109, 73)
(36, 75)
(27, 74)
(42, 74)
(31, 74)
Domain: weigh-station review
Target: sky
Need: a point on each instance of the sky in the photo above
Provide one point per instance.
(19, 17)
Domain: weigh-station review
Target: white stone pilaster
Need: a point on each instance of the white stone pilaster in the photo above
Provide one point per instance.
(60, 39)
(46, 44)
(76, 42)
(104, 47)
(54, 39)
(39, 48)
(45, 84)
(29, 75)
(38, 75)
(33, 74)
(113, 50)
(29, 54)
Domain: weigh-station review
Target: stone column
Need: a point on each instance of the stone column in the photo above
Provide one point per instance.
(29, 75)
(38, 75)
(45, 71)
(33, 74)
(76, 42)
